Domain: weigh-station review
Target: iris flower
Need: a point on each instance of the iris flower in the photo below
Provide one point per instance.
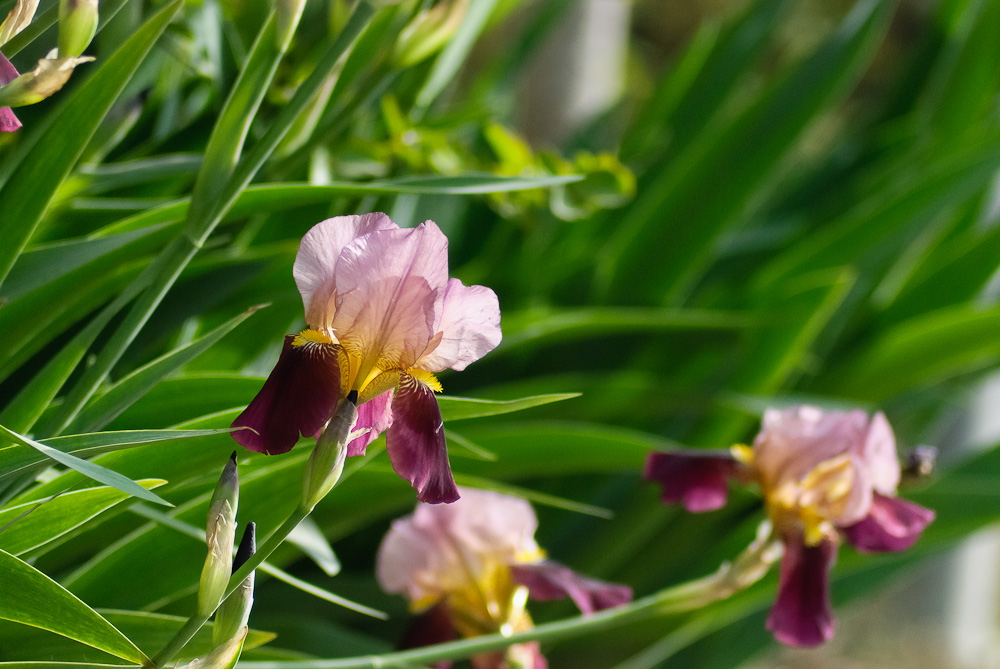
(468, 569)
(383, 317)
(825, 476)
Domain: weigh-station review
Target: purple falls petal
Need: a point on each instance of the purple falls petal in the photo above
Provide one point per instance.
(416, 444)
(698, 480)
(433, 626)
(298, 397)
(374, 415)
(892, 525)
(8, 122)
(802, 616)
(551, 580)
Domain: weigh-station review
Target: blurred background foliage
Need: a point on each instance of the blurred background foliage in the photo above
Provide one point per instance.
(779, 202)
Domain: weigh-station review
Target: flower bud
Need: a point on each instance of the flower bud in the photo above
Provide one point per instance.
(429, 31)
(220, 534)
(234, 612)
(77, 25)
(222, 657)
(327, 460)
(48, 77)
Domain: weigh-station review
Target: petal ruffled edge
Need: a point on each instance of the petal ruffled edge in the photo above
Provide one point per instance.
(698, 480)
(892, 525)
(550, 580)
(375, 415)
(416, 444)
(299, 396)
(469, 327)
(8, 73)
(802, 616)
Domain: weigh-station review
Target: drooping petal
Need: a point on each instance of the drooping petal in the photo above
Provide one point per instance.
(8, 122)
(550, 580)
(891, 525)
(699, 480)
(318, 256)
(802, 616)
(880, 456)
(390, 287)
(375, 416)
(416, 443)
(433, 626)
(298, 397)
(470, 327)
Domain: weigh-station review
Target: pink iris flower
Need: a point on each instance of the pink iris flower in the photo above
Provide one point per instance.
(824, 476)
(383, 317)
(8, 122)
(468, 569)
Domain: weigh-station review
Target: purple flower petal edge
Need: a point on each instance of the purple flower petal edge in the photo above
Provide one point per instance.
(433, 626)
(8, 73)
(299, 396)
(892, 525)
(802, 616)
(550, 580)
(374, 415)
(416, 443)
(699, 481)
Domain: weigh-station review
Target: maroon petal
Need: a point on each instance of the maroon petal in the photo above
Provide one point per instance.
(550, 580)
(521, 655)
(433, 626)
(416, 444)
(8, 73)
(699, 480)
(892, 525)
(374, 415)
(298, 397)
(801, 615)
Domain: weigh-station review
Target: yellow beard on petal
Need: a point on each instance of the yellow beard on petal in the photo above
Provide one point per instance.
(812, 504)
(425, 378)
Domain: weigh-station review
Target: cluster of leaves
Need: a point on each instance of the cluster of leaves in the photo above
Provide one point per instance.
(151, 207)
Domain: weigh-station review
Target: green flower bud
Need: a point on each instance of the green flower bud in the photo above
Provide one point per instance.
(220, 532)
(327, 460)
(48, 77)
(77, 25)
(222, 657)
(233, 613)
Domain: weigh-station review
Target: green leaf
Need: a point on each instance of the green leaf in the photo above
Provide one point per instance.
(55, 148)
(33, 524)
(462, 408)
(88, 469)
(104, 408)
(32, 598)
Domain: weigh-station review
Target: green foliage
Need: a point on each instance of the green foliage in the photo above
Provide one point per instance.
(757, 223)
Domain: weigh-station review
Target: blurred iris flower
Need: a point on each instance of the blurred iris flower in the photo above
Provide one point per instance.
(383, 317)
(824, 476)
(8, 122)
(468, 569)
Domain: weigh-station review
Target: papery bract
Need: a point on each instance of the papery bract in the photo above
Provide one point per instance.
(824, 476)
(383, 318)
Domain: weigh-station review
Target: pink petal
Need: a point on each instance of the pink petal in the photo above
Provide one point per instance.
(317, 260)
(8, 73)
(299, 396)
(802, 616)
(880, 456)
(389, 294)
(892, 525)
(470, 327)
(699, 480)
(416, 443)
(376, 415)
(550, 580)
(433, 626)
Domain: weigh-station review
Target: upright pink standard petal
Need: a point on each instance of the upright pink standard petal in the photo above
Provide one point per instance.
(550, 580)
(802, 615)
(416, 443)
(892, 525)
(8, 122)
(699, 480)
(298, 397)
(470, 327)
(319, 253)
